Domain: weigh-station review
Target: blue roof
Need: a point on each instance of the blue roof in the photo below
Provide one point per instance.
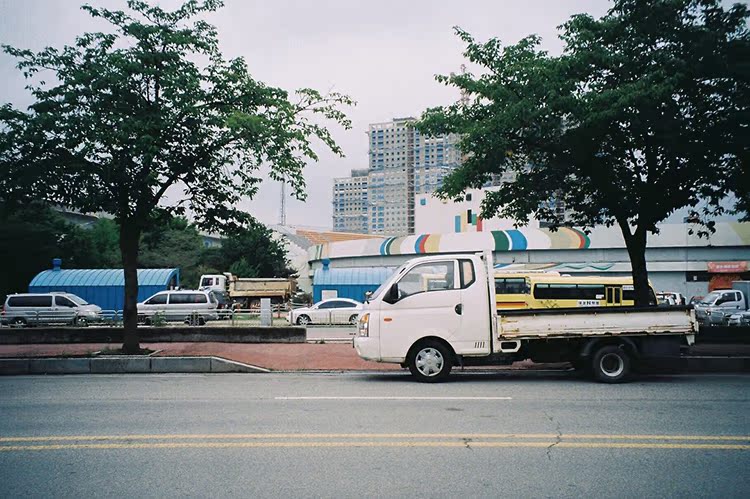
(102, 277)
(353, 276)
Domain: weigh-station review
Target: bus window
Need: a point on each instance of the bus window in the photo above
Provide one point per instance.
(556, 291)
(511, 286)
(590, 291)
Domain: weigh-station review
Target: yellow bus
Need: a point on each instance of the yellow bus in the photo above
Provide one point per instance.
(514, 290)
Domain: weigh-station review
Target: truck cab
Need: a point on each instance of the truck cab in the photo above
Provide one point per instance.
(442, 299)
(213, 282)
(718, 305)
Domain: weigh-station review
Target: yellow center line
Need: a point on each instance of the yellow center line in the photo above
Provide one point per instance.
(411, 444)
(225, 436)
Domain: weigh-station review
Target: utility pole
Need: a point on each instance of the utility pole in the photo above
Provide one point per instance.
(282, 211)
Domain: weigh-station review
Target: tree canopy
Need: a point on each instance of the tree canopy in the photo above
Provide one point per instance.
(121, 118)
(645, 112)
(33, 234)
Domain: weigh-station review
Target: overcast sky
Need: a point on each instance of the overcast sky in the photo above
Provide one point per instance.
(382, 53)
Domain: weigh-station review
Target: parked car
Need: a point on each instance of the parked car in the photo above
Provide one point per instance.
(331, 311)
(48, 308)
(718, 305)
(739, 319)
(190, 306)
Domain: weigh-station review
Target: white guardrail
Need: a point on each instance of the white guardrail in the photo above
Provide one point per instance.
(207, 317)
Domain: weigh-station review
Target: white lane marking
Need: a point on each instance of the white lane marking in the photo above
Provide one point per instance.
(393, 398)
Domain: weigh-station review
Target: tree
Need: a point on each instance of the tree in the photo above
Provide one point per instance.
(645, 112)
(33, 234)
(173, 243)
(251, 251)
(29, 240)
(152, 106)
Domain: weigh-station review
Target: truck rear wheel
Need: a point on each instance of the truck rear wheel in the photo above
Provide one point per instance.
(611, 364)
(430, 362)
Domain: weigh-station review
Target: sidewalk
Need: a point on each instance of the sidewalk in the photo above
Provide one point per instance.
(292, 356)
(274, 356)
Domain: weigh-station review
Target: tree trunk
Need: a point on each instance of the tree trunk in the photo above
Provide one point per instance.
(636, 245)
(129, 238)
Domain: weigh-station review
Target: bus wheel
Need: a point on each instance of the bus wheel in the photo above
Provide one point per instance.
(430, 362)
(611, 364)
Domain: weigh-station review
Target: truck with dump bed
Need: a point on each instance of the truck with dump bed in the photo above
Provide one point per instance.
(245, 292)
(453, 321)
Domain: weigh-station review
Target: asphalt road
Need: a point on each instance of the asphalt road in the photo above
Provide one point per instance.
(373, 435)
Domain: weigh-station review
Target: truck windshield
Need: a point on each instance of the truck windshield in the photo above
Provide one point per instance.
(710, 298)
(378, 291)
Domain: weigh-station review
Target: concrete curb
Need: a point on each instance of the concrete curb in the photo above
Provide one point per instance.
(210, 364)
(124, 364)
(181, 334)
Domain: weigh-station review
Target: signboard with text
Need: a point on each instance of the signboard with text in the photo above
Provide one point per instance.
(727, 267)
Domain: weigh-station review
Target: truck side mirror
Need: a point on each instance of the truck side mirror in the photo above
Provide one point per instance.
(392, 295)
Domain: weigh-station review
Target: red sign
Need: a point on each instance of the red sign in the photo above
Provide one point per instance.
(727, 267)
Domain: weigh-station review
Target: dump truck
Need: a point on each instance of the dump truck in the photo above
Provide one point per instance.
(246, 292)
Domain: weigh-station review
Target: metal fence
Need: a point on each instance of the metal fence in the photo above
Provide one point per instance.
(208, 318)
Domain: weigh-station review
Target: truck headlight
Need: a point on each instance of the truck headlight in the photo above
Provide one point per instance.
(363, 326)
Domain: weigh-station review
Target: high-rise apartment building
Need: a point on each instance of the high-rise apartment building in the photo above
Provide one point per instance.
(350, 202)
(403, 163)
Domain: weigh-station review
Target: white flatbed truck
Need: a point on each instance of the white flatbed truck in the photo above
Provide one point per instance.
(437, 312)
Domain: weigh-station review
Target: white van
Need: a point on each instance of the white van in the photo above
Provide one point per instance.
(48, 308)
(190, 306)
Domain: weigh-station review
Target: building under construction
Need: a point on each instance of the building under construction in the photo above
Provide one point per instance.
(402, 163)
(350, 202)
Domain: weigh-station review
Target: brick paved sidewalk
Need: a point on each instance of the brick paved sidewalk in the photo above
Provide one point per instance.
(274, 356)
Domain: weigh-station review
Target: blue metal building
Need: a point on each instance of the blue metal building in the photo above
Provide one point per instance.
(349, 282)
(103, 287)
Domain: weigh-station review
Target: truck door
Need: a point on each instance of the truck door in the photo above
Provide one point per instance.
(426, 301)
(613, 295)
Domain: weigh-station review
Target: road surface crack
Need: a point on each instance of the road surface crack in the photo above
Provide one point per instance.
(467, 441)
(558, 436)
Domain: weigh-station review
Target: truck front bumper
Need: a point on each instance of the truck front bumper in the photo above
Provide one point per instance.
(367, 348)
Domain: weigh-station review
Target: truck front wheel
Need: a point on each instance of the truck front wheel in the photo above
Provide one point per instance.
(611, 364)
(430, 362)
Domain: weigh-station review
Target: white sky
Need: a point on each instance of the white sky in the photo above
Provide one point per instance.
(382, 53)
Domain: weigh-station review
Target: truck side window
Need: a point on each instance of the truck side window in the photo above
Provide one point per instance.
(467, 273)
(726, 297)
(427, 277)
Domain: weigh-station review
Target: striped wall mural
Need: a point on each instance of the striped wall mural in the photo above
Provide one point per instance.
(496, 240)
(526, 239)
